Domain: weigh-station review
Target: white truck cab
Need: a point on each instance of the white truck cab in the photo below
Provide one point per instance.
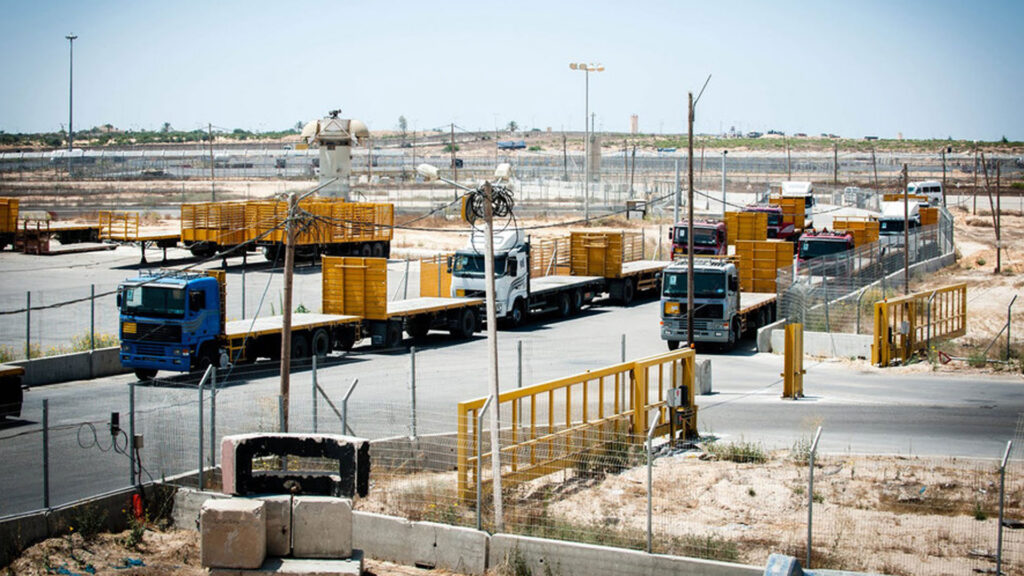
(891, 222)
(511, 269)
(803, 190)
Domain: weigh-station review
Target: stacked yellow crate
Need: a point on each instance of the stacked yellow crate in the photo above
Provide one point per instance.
(929, 216)
(760, 261)
(864, 230)
(746, 226)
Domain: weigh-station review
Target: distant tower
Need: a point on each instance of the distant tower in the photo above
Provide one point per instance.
(634, 124)
(336, 136)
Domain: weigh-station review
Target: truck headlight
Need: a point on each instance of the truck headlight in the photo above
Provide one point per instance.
(124, 347)
(498, 307)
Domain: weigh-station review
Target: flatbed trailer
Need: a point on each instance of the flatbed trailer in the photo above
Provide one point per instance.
(357, 286)
(11, 395)
(124, 228)
(312, 334)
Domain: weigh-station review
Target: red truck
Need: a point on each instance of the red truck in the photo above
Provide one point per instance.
(777, 228)
(709, 238)
(827, 243)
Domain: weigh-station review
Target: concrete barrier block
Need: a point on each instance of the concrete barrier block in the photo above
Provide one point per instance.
(461, 550)
(188, 503)
(321, 527)
(383, 537)
(574, 559)
(278, 510)
(703, 376)
(233, 533)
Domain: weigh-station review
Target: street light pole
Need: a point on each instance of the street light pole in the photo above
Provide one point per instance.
(71, 94)
(587, 69)
(689, 226)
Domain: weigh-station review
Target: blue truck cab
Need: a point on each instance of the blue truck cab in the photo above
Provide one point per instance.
(171, 321)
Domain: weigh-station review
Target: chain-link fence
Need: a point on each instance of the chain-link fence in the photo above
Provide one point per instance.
(837, 293)
(734, 501)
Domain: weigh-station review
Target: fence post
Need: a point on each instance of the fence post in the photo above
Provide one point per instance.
(519, 380)
(243, 284)
(824, 285)
(28, 325)
(213, 417)
(46, 453)
(810, 494)
(92, 317)
(344, 406)
(650, 474)
(315, 397)
(1008, 323)
(200, 388)
(479, 459)
(1002, 493)
(412, 387)
(280, 413)
(405, 283)
(623, 348)
(131, 428)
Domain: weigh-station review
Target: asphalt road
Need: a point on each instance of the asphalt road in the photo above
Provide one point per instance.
(862, 410)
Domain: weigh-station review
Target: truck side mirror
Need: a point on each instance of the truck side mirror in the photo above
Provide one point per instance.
(119, 299)
(671, 231)
(449, 261)
(734, 284)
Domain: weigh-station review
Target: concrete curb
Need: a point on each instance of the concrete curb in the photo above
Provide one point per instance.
(70, 367)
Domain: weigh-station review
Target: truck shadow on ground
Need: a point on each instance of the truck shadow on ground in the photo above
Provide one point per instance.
(244, 373)
(745, 348)
(9, 423)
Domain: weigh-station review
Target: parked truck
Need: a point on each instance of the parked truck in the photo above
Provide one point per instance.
(176, 320)
(778, 226)
(722, 313)
(709, 237)
(11, 395)
(600, 264)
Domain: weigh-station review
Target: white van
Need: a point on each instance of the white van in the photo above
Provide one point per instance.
(803, 190)
(931, 189)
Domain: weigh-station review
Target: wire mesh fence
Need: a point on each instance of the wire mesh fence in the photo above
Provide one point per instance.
(734, 501)
(837, 293)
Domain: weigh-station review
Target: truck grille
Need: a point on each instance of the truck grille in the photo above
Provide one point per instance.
(708, 311)
(149, 349)
(146, 332)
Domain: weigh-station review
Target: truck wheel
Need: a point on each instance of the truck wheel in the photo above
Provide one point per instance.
(202, 250)
(378, 250)
(271, 253)
(300, 345)
(628, 291)
(208, 356)
(564, 306)
(366, 251)
(145, 374)
(321, 343)
(672, 344)
(344, 339)
(393, 335)
(418, 326)
(517, 315)
(467, 324)
(577, 300)
(734, 334)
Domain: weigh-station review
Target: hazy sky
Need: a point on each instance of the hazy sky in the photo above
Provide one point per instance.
(923, 69)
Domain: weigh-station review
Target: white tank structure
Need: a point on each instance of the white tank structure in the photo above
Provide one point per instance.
(335, 137)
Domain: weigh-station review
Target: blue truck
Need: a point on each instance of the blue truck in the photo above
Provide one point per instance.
(176, 321)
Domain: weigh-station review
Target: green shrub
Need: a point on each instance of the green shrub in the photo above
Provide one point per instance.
(741, 452)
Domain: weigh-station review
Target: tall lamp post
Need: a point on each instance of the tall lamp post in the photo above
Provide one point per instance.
(71, 94)
(587, 69)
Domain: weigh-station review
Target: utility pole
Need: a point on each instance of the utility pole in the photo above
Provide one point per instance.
(835, 163)
(974, 209)
(675, 201)
(906, 233)
(455, 166)
(999, 241)
(689, 225)
(71, 95)
(789, 172)
(492, 345)
(213, 192)
(724, 153)
(565, 158)
(944, 150)
(874, 168)
(286, 312)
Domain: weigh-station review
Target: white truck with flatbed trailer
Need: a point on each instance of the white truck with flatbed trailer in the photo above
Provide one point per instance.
(722, 313)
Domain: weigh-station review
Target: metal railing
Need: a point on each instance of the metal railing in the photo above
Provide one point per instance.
(907, 324)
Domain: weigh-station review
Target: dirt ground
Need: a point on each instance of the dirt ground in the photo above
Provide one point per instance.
(160, 553)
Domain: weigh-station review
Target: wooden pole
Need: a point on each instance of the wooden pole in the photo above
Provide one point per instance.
(492, 348)
(943, 176)
(874, 168)
(286, 311)
(213, 193)
(974, 210)
(835, 163)
(789, 172)
(455, 166)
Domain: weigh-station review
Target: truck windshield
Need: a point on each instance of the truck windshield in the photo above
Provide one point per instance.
(701, 236)
(705, 284)
(154, 301)
(893, 226)
(472, 265)
(774, 219)
(820, 247)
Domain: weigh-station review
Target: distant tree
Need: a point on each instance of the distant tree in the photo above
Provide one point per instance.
(403, 126)
(1004, 140)
(166, 127)
(512, 126)
(299, 125)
